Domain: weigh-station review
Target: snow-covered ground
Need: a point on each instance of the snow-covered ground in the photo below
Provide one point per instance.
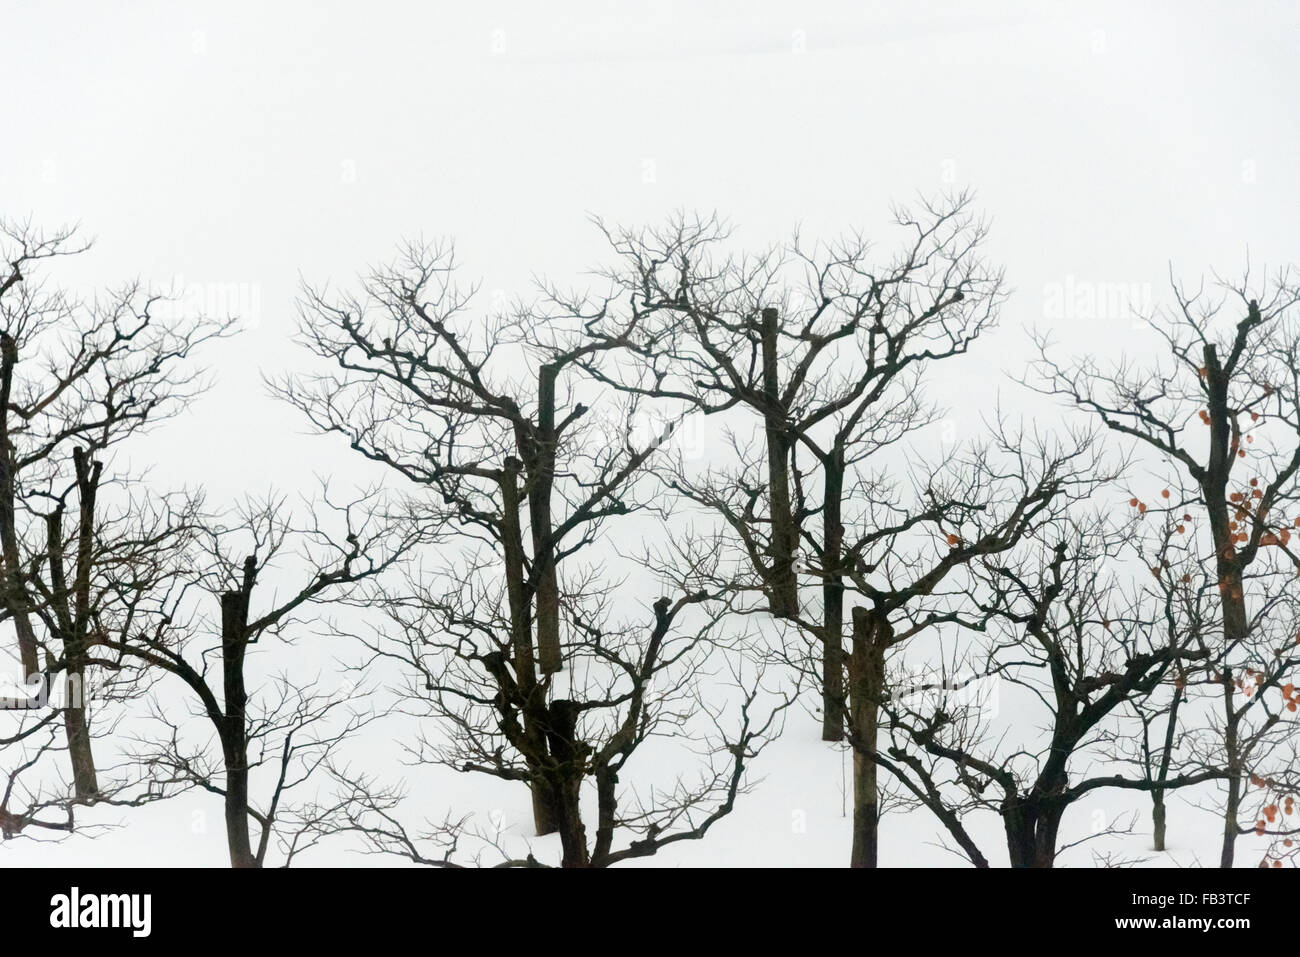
(795, 816)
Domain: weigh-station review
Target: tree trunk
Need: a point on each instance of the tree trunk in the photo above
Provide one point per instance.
(866, 810)
(1158, 819)
(235, 752)
(783, 586)
(833, 600)
(570, 756)
(541, 478)
(64, 627)
(606, 807)
(234, 732)
(76, 727)
(525, 668)
(15, 593)
(1232, 806)
(1031, 833)
(1162, 774)
(76, 648)
(1235, 628)
(866, 687)
(1232, 600)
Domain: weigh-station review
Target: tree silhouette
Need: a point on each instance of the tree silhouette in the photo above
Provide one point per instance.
(1221, 407)
(825, 347)
(77, 379)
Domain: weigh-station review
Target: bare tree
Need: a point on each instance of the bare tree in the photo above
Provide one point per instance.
(826, 348)
(77, 378)
(1064, 631)
(523, 469)
(283, 731)
(1163, 743)
(523, 665)
(912, 551)
(629, 683)
(1223, 409)
(1172, 715)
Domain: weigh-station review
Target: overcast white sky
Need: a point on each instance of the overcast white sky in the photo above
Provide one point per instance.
(246, 145)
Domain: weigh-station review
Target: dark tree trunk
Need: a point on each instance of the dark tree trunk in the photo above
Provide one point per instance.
(569, 756)
(540, 480)
(1162, 773)
(1232, 806)
(1031, 831)
(1232, 601)
(782, 584)
(544, 805)
(833, 600)
(64, 627)
(236, 803)
(866, 810)
(866, 687)
(15, 592)
(1233, 763)
(234, 732)
(77, 728)
(76, 649)
(606, 806)
(1158, 819)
